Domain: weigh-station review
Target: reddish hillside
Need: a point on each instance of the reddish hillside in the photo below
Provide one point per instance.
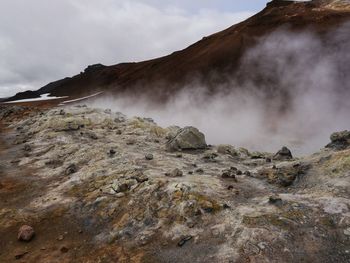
(218, 53)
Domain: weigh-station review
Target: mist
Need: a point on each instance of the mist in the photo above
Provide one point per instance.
(291, 89)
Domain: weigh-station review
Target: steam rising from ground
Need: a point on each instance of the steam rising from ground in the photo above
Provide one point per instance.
(292, 89)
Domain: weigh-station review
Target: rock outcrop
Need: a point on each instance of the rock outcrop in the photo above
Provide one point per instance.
(340, 140)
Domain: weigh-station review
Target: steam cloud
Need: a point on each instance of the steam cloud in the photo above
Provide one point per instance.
(291, 89)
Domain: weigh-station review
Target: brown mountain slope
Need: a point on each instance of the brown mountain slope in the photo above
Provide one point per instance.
(219, 53)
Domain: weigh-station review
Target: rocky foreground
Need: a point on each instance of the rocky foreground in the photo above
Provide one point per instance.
(88, 185)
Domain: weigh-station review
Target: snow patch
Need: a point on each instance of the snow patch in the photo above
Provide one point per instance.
(42, 98)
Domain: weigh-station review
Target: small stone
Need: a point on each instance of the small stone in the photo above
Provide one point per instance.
(64, 249)
(200, 171)
(247, 173)
(175, 173)
(71, 169)
(27, 148)
(122, 188)
(184, 240)
(112, 152)
(226, 206)
(25, 233)
(149, 156)
(229, 174)
(60, 237)
(179, 155)
(230, 187)
(275, 200)
(239, 172)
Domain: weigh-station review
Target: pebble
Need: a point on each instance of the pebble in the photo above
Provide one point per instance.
(149, 157)
(25, 233)
(184, 240)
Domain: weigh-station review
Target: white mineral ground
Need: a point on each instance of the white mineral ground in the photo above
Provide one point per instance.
(90, 164)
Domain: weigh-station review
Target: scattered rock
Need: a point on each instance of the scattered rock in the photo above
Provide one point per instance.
(284, 175)
(25, 233)
(139, 176)
(247, 173)
(188, 138)
(199, 171)
(229, 174)
(149, 156)
(227, 149)
(275, 200)
(60, 237)
(64, 249)
(175, 173)
(339, 140)
(122, 188)
(112, 152)
(210, 157)
(184, 240)
(27, 148)
(283, 155)
(71, 169)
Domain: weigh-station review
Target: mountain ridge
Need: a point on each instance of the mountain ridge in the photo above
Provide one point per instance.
(218, 53)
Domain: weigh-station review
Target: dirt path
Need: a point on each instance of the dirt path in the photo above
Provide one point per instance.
(60, 235)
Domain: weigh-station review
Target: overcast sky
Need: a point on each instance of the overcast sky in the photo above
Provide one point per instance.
(45, 40)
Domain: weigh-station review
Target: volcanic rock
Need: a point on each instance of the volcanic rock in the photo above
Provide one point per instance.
(188, 138)
(25, 233)
(339, 140)
(283, 155)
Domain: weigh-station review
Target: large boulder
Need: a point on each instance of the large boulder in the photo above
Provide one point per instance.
(188, 138)
(340, 140)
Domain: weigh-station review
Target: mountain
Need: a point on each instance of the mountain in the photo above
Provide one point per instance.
(216, 55)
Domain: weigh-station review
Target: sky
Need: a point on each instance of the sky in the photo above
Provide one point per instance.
(43, 41)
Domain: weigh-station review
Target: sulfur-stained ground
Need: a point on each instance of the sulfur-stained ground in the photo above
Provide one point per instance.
(79, 176)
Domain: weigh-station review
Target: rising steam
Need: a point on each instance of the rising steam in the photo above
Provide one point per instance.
(291, 89)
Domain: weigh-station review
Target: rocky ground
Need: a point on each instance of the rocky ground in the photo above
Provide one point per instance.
(97, 186)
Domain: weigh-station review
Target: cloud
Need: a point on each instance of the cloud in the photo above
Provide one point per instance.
(42, 41)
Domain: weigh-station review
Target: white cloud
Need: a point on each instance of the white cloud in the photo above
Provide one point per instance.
(42, 41)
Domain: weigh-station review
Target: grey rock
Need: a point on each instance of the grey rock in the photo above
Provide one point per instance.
(227, 149)
(229, 173)
(283, 155)
(175, 173)
(149, 156)
(339, 140)
(188, 138)
(71, 169)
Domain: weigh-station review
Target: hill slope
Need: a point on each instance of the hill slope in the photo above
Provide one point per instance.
(219, 53)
